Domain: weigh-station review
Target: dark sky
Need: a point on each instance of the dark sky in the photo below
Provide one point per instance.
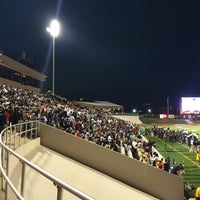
(124, 51)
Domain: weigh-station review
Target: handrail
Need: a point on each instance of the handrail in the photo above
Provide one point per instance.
(8, 180)
(59, 183)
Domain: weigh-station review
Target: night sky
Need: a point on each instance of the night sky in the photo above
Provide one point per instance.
(124, 51)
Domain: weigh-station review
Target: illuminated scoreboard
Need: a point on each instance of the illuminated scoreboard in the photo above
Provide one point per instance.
(190, 105)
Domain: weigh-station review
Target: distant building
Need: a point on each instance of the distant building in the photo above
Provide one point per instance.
(101, 105)
(18, 75)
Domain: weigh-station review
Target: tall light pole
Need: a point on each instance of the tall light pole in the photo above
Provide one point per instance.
(54, 30)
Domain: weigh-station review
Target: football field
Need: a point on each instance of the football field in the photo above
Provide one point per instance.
(180, 154)
(176, 151)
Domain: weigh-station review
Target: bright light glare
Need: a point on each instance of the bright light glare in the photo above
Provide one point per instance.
(54, 28)
(149, 110)
(134, 110)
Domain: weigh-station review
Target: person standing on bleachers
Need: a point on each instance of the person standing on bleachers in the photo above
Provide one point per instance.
(197, 194)
(166, 165)
(2, 119)
(178, 170)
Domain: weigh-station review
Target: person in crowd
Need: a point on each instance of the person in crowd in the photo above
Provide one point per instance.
(154, 159)
(198, 158)
(197, 194)
(178, 170)
(160, 164)
(166, 165)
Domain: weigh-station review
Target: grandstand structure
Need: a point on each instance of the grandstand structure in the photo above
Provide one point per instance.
(105, 106)
(26, 164)
(18, 75)
(28, 150)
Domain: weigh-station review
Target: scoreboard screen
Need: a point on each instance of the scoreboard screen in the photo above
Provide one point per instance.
(190, 105)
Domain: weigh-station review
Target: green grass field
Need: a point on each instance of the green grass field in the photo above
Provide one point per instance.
(178, 151)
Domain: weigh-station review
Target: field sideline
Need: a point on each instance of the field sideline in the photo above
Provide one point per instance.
(179, 152)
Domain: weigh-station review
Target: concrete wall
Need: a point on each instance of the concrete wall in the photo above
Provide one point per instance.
(144, 177)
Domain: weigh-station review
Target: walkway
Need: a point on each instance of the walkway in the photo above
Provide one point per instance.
(92, 182)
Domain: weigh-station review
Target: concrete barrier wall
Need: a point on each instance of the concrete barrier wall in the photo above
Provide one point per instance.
(144, 177)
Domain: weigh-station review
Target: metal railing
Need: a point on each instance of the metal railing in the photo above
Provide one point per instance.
(13, 137)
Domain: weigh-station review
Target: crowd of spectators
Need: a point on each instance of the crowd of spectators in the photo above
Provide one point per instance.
(182, 136)
(93, 125)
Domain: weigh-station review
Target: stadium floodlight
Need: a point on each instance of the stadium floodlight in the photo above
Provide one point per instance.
(134, 111)
(54, 30)
(149, 110)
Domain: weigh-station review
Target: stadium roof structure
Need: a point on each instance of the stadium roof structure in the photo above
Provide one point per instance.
(19, 67)
(104, 105)
(16, 74)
